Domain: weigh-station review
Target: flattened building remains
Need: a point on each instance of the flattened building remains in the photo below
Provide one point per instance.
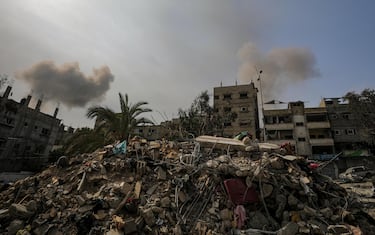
(26, 134)
(320, 133)
(317, 133)
(168, 187)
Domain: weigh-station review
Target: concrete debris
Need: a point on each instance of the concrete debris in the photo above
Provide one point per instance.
(211, 186)
(290, 229)
(19, 211)
(15, 226)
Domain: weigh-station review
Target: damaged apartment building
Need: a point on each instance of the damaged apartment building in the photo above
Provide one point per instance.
(350, 137)
(318, 132)
(26, 134)
(238, 107)
(308, 130)
(354, 141)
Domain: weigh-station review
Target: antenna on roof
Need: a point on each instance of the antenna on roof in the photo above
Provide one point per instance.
(258, 72)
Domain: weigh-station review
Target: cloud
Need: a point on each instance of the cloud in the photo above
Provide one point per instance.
(66, 83)
(281, 67)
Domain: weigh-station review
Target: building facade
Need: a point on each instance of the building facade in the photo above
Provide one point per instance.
(308, 130)
(350, 137)
(25, 133)
(237, 106)
(169, 130)
(150, 132)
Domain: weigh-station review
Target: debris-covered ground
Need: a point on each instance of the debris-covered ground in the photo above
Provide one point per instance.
(163, 187)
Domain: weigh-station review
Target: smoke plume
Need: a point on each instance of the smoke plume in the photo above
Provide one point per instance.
(66, 83)
(281, 67)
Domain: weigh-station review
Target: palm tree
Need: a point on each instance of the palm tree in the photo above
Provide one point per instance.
(84, 140)
(119, 126)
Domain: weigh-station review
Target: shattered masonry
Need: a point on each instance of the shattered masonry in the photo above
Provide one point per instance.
(210, 186)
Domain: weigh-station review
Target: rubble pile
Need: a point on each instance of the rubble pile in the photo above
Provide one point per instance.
(163, 187)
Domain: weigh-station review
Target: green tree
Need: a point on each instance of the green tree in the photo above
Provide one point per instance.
(195, 120)
(201, 119)
(119, 126)
(84, 140)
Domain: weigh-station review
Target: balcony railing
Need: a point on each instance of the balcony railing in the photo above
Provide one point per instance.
(279, 126)
(322, 142)
(318, 125)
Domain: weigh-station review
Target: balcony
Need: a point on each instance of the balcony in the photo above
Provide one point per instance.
(318, 125)
(6, 125)
(322, 142)
(279, 126)
(280, 142)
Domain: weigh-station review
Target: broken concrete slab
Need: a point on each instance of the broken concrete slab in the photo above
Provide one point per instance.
(289, 229)
(15, 226)
(174, 196)
(162, 174)
(149, 217)
(19, 211)
(137, 189)
(130, 226)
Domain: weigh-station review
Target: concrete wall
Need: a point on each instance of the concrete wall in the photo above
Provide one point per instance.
(25, 132)
(307, 129)
(300, 133)
(241, 100)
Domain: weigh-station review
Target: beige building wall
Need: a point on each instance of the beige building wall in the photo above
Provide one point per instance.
(238, 107)
(307, 129)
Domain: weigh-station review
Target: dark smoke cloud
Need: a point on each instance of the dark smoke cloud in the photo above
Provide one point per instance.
(281, 67)
(66, 83)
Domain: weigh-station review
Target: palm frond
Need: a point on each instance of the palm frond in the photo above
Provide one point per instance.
(119, 125)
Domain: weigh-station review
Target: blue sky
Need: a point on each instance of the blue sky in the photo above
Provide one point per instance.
(166, 52)
(340, 34)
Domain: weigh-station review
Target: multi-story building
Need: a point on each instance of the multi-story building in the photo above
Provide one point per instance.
(169, 130)
(25, 133)
(150, 132)
(350, 137)
(308, 130)
(237, 106)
